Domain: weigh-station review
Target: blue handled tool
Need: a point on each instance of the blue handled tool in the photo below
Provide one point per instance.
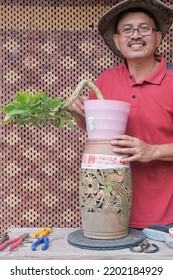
(40, 240)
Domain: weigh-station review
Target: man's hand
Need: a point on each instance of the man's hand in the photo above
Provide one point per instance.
(134, 148)
(78, 105)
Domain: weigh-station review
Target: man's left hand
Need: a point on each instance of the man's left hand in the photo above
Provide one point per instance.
(136, 149)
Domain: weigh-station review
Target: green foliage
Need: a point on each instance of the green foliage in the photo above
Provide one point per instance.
(37, 109)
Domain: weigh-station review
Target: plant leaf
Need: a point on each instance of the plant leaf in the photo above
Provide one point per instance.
(70, 123)
(37, 109)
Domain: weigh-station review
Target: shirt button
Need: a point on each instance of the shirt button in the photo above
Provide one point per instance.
(133, 96)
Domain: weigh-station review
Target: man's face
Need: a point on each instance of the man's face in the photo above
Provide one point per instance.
(137, 45)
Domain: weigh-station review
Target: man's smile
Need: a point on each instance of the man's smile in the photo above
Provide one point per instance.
(136, 44)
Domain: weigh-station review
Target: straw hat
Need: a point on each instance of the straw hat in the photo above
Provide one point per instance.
(160, 11)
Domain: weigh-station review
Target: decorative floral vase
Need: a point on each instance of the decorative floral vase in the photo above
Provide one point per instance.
(105, 182)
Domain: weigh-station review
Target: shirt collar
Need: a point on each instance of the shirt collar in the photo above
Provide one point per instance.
(157, 76)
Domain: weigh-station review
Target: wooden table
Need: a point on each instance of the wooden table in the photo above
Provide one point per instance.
(60, 249)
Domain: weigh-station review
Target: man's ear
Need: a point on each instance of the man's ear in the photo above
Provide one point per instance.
(116, 41)
(159, 38)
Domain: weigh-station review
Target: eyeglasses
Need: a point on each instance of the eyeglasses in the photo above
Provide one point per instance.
(142, 30)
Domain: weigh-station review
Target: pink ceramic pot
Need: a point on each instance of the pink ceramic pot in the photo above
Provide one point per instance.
(105, 118)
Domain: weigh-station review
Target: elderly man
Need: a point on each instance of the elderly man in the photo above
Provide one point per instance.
(133, 30)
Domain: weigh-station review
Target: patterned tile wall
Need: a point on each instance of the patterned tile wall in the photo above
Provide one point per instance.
(47, 46)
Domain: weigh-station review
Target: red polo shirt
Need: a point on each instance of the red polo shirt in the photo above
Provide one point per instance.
(150, 119)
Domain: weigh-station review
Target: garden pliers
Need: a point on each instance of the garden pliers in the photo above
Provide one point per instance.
(14, 242)
(42, 232)
(145, 247)
(40, 240)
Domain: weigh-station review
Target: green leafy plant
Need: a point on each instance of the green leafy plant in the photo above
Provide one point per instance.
(36, 110)
(40, 109)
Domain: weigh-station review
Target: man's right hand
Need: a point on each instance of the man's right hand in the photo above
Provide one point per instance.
(78, 108)
(78, 105)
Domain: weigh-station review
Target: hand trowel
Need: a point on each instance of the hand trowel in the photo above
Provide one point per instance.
(158, 235)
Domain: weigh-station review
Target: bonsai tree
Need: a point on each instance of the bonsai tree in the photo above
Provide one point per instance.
(40, 109)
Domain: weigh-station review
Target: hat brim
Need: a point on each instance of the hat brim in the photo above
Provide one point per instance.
(162, 12)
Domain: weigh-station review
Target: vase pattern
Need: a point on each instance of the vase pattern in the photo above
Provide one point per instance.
(105, 191)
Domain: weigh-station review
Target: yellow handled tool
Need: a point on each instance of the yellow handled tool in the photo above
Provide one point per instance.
(42, 232)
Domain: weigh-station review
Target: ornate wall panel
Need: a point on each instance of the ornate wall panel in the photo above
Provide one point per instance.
(47, 46)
